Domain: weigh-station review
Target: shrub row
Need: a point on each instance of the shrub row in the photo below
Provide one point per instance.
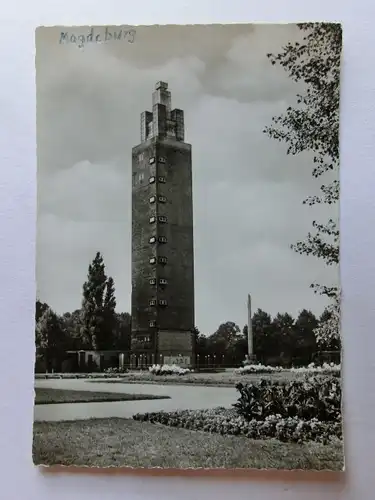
(76, 375)
(312, 397)
(227, 422)
(168, 370)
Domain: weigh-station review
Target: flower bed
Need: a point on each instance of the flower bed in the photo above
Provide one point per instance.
(326, 368)
(227, 422)
(299, 410)
(168, 370)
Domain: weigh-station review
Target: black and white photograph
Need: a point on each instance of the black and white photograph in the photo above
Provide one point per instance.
(187, 309)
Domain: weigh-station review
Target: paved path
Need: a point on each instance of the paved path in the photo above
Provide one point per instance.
(182, 397)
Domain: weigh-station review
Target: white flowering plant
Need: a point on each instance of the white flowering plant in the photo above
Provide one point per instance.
(325, 368)
(258, 368)
(168, 370)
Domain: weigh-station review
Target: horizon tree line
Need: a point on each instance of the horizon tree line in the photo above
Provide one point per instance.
(97, 326)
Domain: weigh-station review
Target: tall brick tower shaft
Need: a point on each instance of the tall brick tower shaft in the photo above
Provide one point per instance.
(162, 238)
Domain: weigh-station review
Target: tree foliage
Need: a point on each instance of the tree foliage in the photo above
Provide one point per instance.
(71, 323)
(109, 314)
(305, 340)
(278, 340)
(122, 332)
(312, 125)
(225, 337)
(327, 332)
(40, 308)
(98, 307)
(49, 337)
(262, 334)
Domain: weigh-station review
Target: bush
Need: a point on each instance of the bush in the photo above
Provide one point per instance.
(312, 398)
(227, 422)
(67, 376)
(168, 370)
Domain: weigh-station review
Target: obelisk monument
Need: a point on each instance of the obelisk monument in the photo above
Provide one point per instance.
(250, 346)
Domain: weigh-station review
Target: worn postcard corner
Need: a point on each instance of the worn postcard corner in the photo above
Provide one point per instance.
(188, 293)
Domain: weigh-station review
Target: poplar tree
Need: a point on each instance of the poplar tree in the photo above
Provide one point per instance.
(110, 318)
(98, 318)
(92, 312)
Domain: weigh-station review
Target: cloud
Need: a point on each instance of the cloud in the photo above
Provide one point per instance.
(247, 192)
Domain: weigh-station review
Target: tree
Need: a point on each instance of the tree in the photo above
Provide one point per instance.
(109, 314)
(327, 333)
(122, 332)
(92, 316)
(40, 307)
(226, 335)
(283, 331)
(49, 338)
(71, 324)
(261, 325)
(202, 346)
(305, 346)
(313, 125)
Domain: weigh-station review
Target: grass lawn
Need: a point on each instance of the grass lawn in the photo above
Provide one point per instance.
(121, 442)
(51, 396)
(221, 379)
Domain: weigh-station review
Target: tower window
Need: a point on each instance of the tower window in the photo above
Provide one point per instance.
(151, 180)
(163, 281)
(162, 179)
(162, 239)
(152, 324)
(151, 160)
(152, 260)
(152, 220)
(162, 302)
(140, 157)
(152, 239)
(152, 199)
(163, 260)
(162, 218)
(152, 302)
(162, 199)
(141, 177)
(152, 281)
(162, 159)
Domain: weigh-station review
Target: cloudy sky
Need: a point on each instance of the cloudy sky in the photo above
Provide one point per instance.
(247, 192)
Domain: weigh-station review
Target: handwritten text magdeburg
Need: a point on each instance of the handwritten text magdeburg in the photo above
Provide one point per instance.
(115, 34)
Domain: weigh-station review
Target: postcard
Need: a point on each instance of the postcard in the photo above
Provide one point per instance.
(188, 291)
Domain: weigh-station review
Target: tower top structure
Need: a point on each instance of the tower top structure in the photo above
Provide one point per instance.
(162, 122)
